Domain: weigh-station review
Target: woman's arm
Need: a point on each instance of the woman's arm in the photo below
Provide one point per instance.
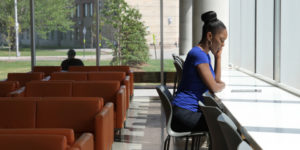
(208, 79)
(218, 66)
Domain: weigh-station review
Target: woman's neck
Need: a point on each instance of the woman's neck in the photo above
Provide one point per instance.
(204, 47)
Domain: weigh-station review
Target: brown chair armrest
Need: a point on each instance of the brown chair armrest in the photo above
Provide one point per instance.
(104, 127)
(84, 142)
(126, 82)
(120, 107)
(131, 82)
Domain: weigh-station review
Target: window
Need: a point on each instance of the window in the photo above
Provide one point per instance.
(264, 37)
(85, 9)
(289, 48)
(91, 9)
(78, 11)
(27, 34)
(77, 33)
(71, 35)
(47, 36)
(52, 35)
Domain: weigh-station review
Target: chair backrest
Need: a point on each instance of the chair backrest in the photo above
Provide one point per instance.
(49, 89)
(17, 112)
(125, 69)
(76, 76)
(229, 132)
(180, 60)
(179, 70)
(166, 103)
(210, 114)
(120, 76)
(23, 78)
(209, 100)
(106, 89)
(47, 69)
(178, 63)
(83, 68)
(8, 86)
(77, 113)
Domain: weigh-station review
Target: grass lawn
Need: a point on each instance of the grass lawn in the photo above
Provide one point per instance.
(25, 66)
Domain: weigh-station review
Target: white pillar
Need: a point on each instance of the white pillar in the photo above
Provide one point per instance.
(221, 7)
(185, 26)
(17, 28)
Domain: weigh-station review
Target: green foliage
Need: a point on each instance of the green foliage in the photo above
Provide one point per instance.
(129, 32)
(50, 15)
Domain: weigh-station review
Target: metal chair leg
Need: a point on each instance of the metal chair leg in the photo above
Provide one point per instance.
(186, 142)
(193, 142)
(166, 143)
(168, 146)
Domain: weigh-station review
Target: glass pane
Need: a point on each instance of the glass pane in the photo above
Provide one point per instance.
(290, 54)
(264, 41)
(248, 34)
(58, 30)
(130, 34)
(9, 62)
(235, 32)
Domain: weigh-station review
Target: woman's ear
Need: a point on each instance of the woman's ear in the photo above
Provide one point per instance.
(209, 36)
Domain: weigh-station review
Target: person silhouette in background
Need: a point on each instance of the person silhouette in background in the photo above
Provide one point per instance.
(71, 61)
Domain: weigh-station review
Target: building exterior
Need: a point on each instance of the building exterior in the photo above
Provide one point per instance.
(84, 17)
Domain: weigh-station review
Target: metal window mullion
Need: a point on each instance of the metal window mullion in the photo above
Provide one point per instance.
(277, 40)
(161, 43)
(255, 37)
(32, 38)
(97, 34)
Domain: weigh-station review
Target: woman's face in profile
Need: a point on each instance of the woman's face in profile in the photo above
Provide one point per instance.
(218, 41)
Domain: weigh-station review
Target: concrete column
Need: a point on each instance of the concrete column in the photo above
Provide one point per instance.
(221, 7)
(185, 26)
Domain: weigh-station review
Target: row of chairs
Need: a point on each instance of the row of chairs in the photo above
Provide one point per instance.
(223, 134)
(36, 88)
(178, 63)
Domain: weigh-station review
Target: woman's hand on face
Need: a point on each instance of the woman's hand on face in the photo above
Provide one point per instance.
(218, 53)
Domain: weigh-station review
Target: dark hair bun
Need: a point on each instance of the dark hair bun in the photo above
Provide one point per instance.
(209, 16)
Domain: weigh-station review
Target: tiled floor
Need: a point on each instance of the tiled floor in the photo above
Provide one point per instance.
(144, 125)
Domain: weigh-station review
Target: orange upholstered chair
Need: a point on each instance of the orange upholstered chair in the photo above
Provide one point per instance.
(48, 89)
(18, 112)
(8, 86)
(83, 68)
(125, 69)
(108, 76)
(44, 142)
(76, 76)
(110, 91)
(82, 114)
(23, 78)
(47, 69)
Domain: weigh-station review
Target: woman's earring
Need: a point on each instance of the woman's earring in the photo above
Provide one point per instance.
(209, 43)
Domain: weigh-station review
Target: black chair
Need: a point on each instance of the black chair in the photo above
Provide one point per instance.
(229, 132)
(166, 99)
(178, 63)
(181, 61)
(210, 100)
(218, 131)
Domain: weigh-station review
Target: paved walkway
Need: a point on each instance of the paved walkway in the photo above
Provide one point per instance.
(167, 55)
